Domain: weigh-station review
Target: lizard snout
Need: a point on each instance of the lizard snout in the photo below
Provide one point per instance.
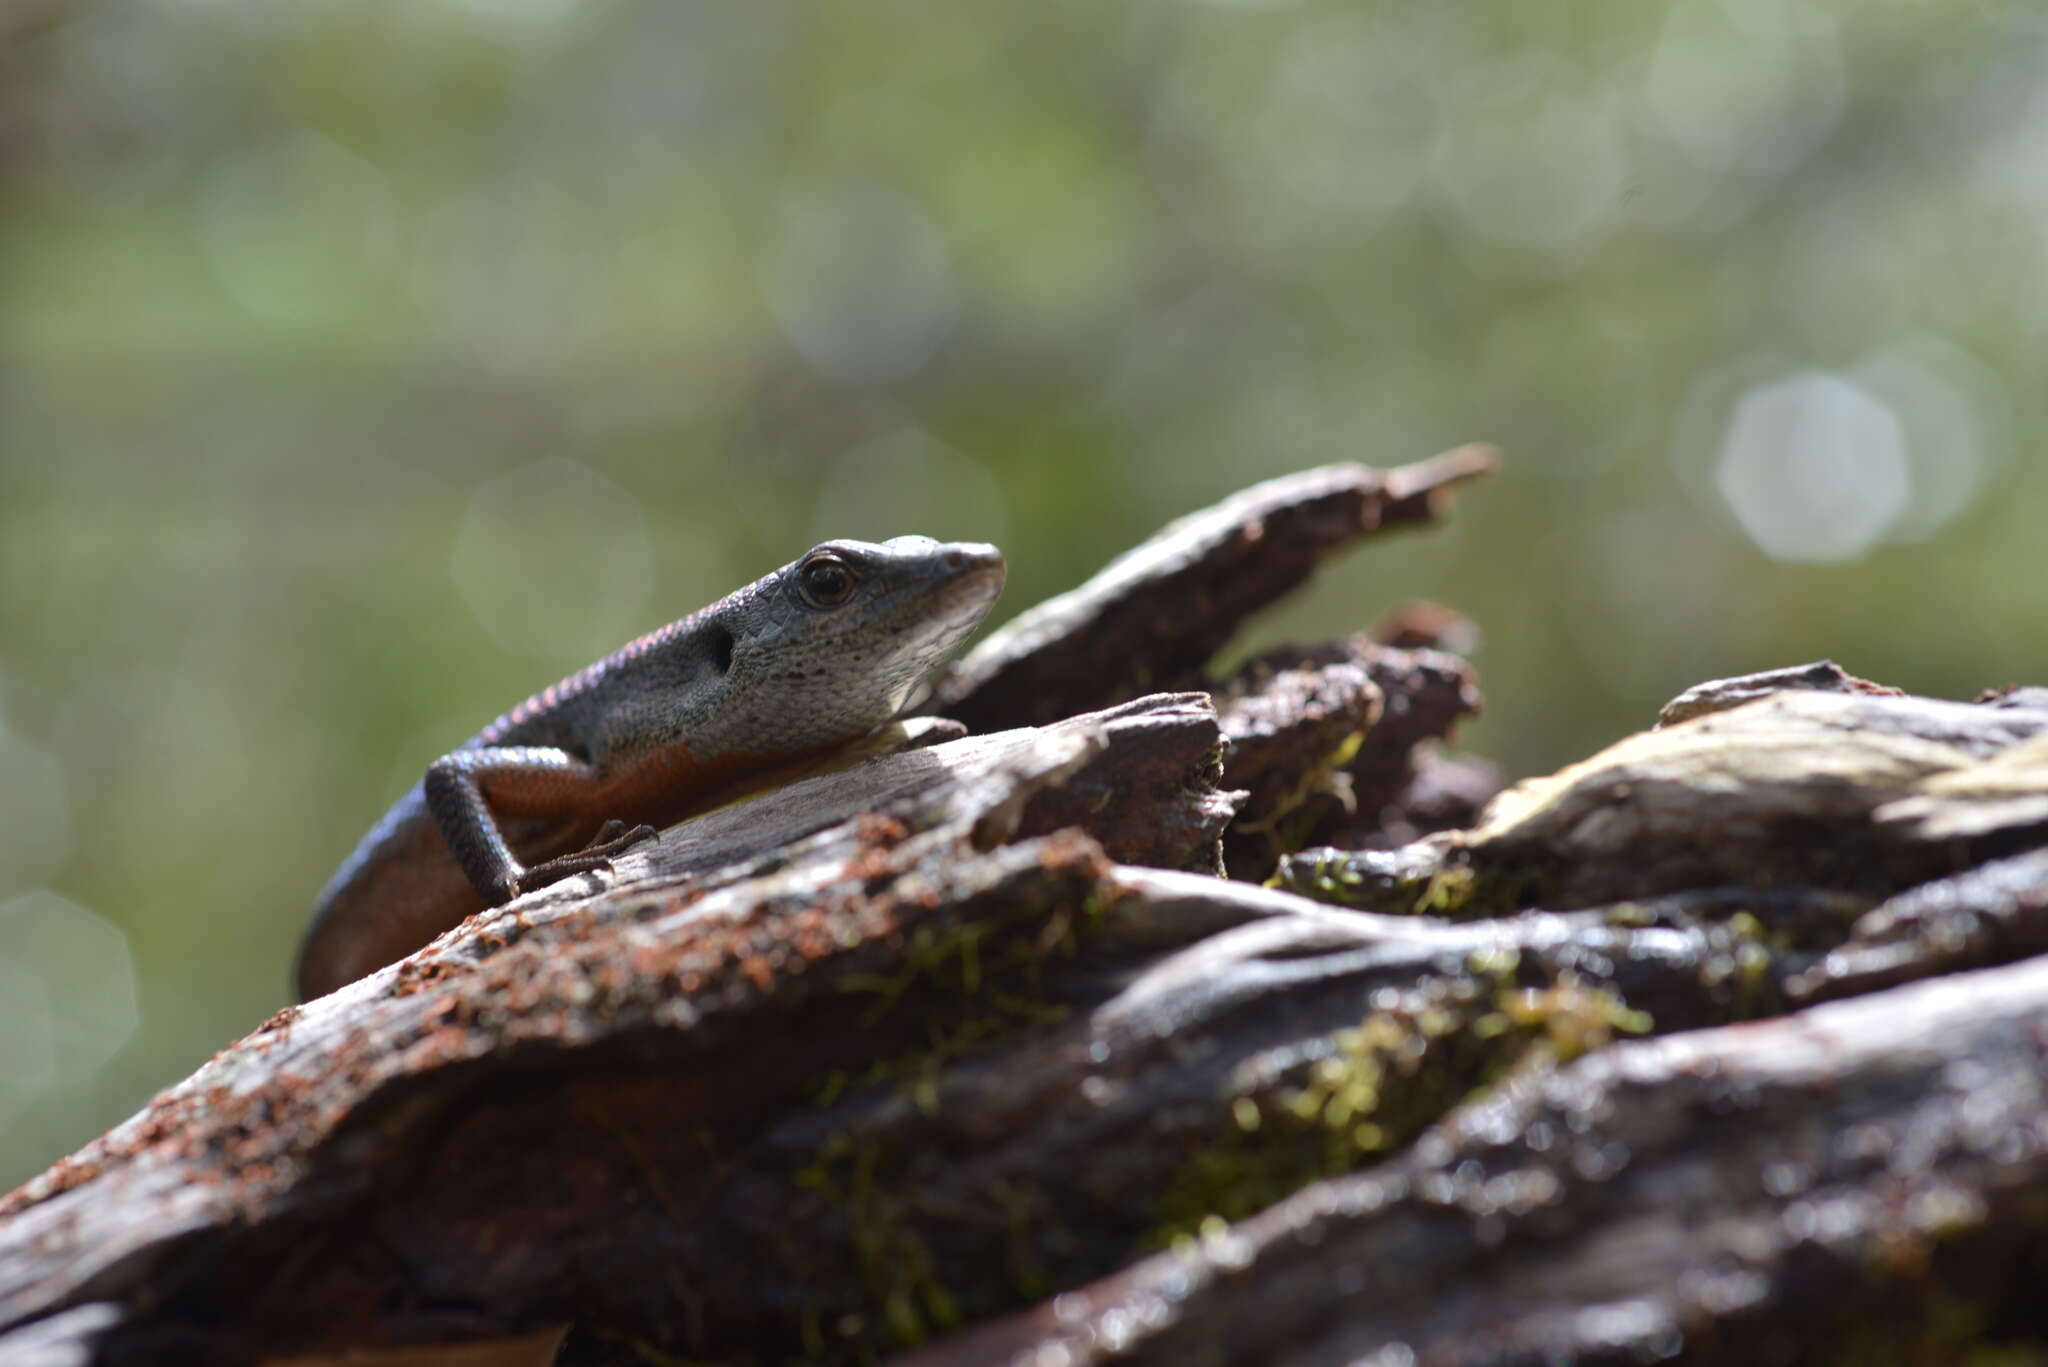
(973, 555)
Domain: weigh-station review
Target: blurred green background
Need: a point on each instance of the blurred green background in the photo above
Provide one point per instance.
(369, 365)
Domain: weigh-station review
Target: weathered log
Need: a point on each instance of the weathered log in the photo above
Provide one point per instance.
(964, 1045)
(1854, 791)
(564, 1010)
(1719, 695)
(1112, 1108)
(1152, 618)
(1330, 742)
(533, 1024)
(1859, 1182)
(1988, 915)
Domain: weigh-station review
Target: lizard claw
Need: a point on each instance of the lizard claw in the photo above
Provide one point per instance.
(614, 838)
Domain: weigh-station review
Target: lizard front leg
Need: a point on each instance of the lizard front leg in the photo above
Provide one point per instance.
(539, 780)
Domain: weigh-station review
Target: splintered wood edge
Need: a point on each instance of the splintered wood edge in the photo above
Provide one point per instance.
(1153, 616)
(1405, 493)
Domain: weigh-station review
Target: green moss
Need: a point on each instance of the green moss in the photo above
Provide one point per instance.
(948, 957)
(1942, 1327)
(1571, 1020)
(1373, 1086)
(1335, 877)
(965, 986)
(1449, 888)
(898, 1276)
(1738, 969)
(2005, 1355)
(1448, 892)
(972, 984)
(1314, 779)
(1021, 1208)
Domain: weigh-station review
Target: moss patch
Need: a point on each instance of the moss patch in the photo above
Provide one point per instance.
(1369, 1088)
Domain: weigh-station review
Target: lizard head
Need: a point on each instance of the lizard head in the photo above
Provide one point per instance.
(832, 645)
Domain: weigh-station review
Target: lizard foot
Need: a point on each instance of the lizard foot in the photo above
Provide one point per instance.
(612, 840)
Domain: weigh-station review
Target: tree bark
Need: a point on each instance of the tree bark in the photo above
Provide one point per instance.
(1721, 1045)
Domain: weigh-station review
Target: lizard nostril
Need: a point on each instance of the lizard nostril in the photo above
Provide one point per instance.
(971, 558)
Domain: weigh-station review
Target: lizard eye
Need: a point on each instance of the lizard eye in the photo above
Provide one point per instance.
(825, 581)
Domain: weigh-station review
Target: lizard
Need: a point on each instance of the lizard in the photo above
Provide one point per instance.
(755, 688)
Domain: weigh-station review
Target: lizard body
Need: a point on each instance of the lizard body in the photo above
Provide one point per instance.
(754, 687)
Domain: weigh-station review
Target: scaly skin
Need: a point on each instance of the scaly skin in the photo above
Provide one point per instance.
(819, 653)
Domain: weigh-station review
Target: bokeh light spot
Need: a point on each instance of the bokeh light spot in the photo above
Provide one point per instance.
(29, 1062)
(295, 229)
(554, 559)
(1956, 415)
(1340, 135)
(861, 282)
(35, 814)
(1544, 173)
(906, 482)
(1745, 91)
(512, 273)
(67, 994)
(1814, 468)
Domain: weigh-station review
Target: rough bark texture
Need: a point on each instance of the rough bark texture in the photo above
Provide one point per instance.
(1862, 1182)
(1153, 617)
(1722, 1045)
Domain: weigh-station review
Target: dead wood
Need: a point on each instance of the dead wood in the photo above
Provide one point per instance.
(964, 1048)
(1718, 695)
(1852, 791)
(1152, 618)
(1336, 744)
(334, 1108)
(1839, 1184)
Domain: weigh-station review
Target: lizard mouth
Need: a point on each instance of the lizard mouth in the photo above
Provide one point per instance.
(975, 578)
(974, 558)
